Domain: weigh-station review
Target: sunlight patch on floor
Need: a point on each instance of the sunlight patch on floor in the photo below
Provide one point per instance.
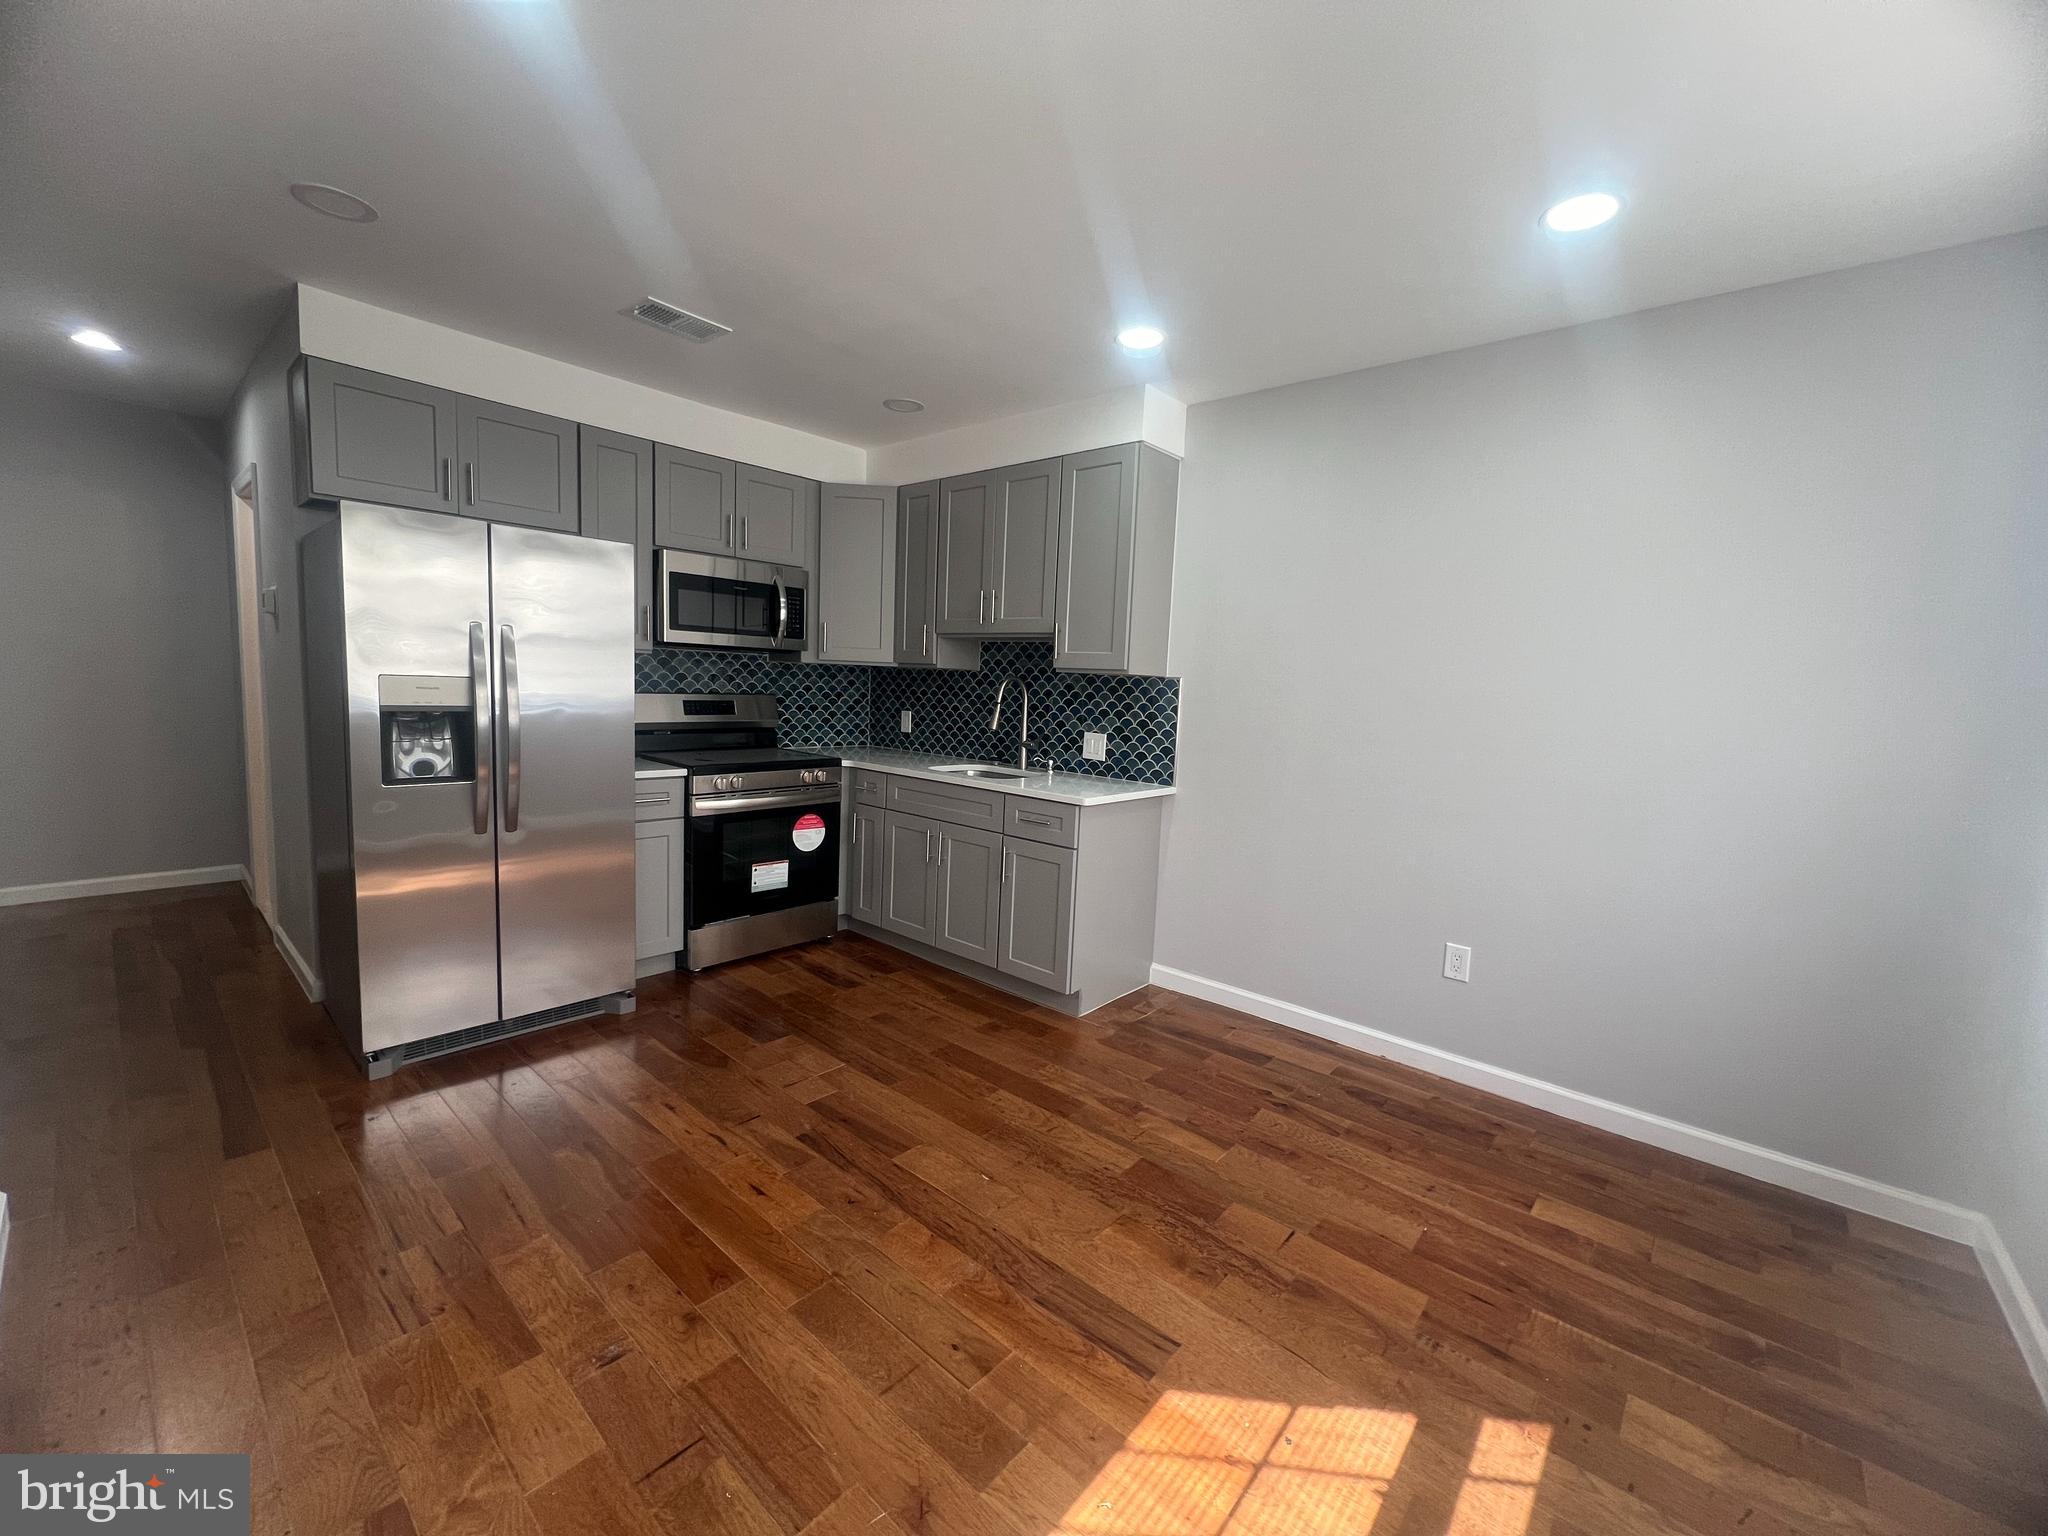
(1500, 1485)
(1207, 1464)
(1204, 1464)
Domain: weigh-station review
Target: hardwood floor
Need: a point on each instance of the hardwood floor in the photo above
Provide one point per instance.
(832, 1242)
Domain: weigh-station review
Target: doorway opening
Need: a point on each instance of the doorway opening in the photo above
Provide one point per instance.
(255, 720)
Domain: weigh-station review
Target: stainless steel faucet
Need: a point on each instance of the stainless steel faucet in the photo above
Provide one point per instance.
(1023, 720)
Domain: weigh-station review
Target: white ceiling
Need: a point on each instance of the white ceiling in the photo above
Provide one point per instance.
(960, 200)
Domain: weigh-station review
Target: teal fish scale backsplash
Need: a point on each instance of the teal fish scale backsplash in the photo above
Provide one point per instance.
(861, 706)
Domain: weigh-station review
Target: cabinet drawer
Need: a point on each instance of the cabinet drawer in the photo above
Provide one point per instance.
(1043, 821)
(659, 799)
(959, 804)
(870, 787)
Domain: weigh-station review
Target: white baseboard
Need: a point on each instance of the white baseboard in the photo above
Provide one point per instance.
(1923, 1213)
(118, 885)
(309, 983)
(2021, 1315)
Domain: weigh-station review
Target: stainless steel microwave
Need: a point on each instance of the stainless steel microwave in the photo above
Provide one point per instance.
(736, 604)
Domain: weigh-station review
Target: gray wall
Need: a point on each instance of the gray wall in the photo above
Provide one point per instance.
(120, 723)
(1693, 668)
(259, 436)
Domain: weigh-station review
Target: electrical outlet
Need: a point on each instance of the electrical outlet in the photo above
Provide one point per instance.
(904, 725)
(1458, 962)
(1095, 746)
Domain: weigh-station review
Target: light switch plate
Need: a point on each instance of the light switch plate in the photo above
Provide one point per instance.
(1095, 746)
(904, 724)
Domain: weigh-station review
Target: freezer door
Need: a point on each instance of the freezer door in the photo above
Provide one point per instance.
(414, 635)
(562, 643)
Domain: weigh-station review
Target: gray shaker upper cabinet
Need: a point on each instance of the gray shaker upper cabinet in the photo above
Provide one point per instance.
(1024, 541)
(366, 436)
(961, 596)
(518, 466)
(618, 504)
(1115, 584)
(693, 501)
(855, 575)
(918, 643)
(999, 550)
(775, 516)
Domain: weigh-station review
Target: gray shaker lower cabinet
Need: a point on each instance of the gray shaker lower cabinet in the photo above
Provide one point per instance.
(970, 867)
(910, 885)
(1038, 914)
(863, 882)
(660, 926)
(1047, 900)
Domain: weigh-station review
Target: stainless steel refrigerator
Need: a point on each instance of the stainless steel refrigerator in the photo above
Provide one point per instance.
(469, 703)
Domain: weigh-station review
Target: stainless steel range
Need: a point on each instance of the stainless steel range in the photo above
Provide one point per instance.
(763, 862)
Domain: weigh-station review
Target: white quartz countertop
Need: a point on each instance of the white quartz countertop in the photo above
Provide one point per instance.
(1066, 788)
(647, 768)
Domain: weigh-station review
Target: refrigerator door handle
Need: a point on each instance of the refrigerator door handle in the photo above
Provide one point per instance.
(480, 701)
(508, 673)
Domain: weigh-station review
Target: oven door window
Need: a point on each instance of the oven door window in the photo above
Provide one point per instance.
(722, 605)
(762, 861)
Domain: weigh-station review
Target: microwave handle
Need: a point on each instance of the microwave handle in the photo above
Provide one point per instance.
(781, 609)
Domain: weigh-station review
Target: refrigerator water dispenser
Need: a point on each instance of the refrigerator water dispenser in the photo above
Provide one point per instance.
(428, 726)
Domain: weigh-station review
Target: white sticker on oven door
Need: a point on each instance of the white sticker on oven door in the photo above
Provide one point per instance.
(772, 876)
(809, 832)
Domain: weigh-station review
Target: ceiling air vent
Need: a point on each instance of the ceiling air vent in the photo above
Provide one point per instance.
(678, 322)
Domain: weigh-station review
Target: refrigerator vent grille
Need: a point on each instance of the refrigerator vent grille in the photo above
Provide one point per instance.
(478, 1034)
(676, 320)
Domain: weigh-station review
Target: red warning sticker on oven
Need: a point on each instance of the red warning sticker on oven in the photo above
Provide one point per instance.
(809, 832)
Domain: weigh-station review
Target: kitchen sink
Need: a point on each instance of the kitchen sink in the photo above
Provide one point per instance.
(983, 771)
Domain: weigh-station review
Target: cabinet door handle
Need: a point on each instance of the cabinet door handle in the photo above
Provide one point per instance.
(469, 482)
(927, 847)
(447, 483)
(743, 531)
(924, 644)
(824, 635)
(1038, 821)
(646, 627)
(650, 799)
(725, 530)
(856, 831)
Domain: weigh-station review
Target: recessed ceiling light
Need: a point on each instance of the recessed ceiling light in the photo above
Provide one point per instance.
(1589, 210)
(98, 341)
(907, 407)
(334, 202)
(1138, 340)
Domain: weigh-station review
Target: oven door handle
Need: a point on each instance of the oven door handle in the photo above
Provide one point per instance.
(762, 800)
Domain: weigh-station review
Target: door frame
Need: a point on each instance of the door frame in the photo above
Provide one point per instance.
(245, 534)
